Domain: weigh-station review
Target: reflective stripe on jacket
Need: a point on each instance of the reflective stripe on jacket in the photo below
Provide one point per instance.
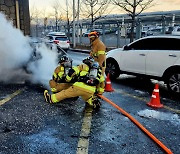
(85, 87)
(78, 71)
(101, 85)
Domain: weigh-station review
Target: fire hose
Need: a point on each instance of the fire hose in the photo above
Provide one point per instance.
(168, 151)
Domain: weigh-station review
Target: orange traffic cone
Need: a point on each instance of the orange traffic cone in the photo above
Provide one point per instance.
(155, 99)
(108, 86)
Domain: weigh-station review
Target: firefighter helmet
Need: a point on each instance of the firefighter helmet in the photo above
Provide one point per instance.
(64, 58)
(93, 34)
(88, 61)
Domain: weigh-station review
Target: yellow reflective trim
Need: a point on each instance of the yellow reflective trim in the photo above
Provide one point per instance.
(101, 53)
(75, 68)
(89, 101)
(83, 73)
(100, 89)
(102, 79)
(53, 98)
(55, 75)
(62, 69)
(68, 78)
(85, 86)
(60, 74)
(53, 89)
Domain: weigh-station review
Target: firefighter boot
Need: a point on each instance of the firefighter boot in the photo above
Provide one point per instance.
(96, 104)
(93, 103)
(47, 97)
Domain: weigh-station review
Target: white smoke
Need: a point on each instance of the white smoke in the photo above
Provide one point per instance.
(15, 52)
(14, 49)
(43, 68)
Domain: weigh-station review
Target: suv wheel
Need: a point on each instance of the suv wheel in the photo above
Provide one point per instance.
(112, 68)
(173, 81)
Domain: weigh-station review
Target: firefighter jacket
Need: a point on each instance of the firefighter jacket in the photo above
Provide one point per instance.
(58, 75)
(98, 52)
(81, 72)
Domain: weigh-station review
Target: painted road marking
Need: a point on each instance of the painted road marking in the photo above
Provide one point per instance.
(171, 109)
(10, 97)
(83, 143)
(145, 100)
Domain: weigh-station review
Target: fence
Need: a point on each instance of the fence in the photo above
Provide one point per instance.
(116, 32)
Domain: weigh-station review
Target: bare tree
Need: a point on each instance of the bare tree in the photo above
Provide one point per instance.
(68, 17)
(133, 8)
(35, 18)
(57, 13)
(94, 9)
(34, 14)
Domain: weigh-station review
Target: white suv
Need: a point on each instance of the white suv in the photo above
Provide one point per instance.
(176, 31)
(156, 57)
(57, 40)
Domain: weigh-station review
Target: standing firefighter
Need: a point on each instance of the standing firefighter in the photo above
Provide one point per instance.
(58, 83)
(89, 77)
(98, 50)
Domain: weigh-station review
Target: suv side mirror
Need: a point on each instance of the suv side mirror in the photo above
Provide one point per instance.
(126, 47)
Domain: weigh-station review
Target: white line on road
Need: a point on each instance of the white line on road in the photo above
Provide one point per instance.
(145, 100)
(10, 97)
(83, 142)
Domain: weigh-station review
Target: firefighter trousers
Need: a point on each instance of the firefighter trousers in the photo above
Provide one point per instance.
(57, 87)
(72, 91)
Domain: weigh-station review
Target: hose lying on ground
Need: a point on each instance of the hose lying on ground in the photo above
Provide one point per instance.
(138, 124)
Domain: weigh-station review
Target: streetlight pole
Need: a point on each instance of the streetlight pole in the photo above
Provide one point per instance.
(17, 15)
(74, 30)
(78, 26)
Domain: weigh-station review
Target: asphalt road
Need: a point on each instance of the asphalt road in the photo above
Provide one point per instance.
(28, 125)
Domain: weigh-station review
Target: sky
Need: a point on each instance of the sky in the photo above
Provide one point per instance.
(161, 5)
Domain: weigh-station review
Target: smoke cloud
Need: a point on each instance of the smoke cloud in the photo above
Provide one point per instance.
(16, 52)
(14, 48)
(43, 68)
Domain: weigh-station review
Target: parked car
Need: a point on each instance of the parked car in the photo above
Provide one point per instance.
(156, 57)
(85, 34)
(154, 31)
(169, 29)
(57, 40)
(144, 30)
(176, 31)
(100, 31)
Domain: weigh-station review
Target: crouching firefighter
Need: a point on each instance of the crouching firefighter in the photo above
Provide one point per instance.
(89, 75)
(58, 82)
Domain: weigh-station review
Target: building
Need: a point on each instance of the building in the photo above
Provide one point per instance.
(18, 12)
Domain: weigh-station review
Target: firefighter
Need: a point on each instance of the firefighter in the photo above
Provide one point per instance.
(89, 76)
(98, 50)
(58, 83)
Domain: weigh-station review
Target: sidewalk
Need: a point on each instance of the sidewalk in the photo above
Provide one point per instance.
(86, 49)
(80, 50)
